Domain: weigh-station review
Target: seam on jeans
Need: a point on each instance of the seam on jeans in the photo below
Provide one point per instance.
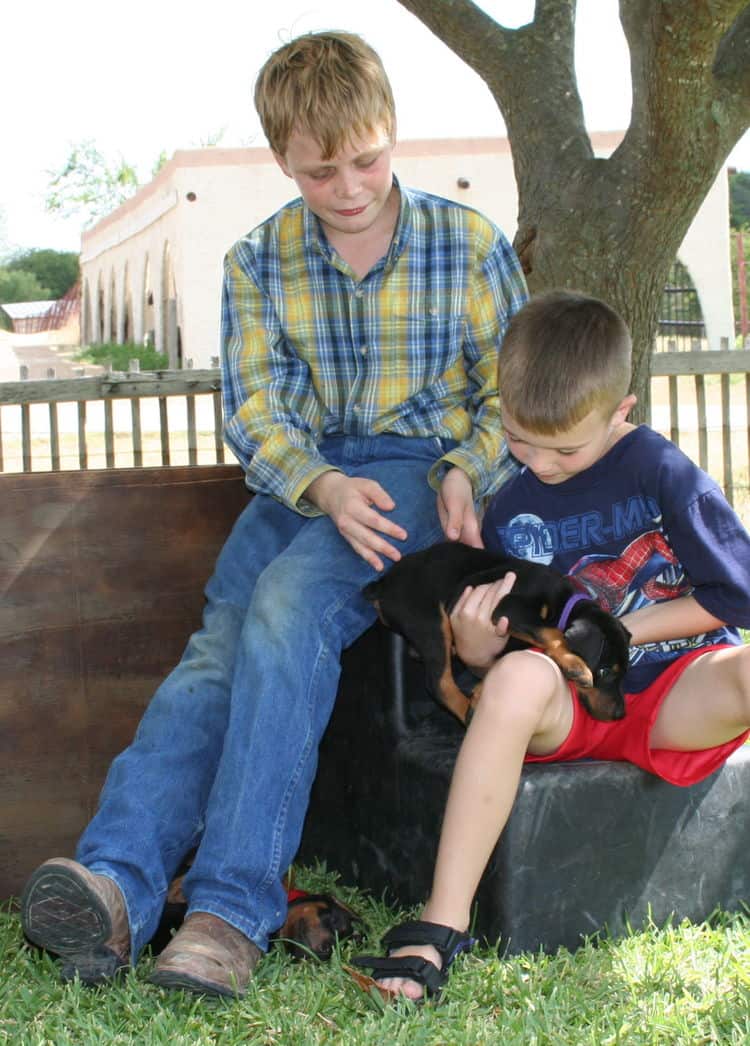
(281, 820)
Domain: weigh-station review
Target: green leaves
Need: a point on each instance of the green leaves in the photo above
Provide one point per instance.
(89, 184)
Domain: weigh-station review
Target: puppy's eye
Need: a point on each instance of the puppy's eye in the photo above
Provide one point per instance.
(604, 674)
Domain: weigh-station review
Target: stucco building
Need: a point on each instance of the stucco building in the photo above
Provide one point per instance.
(152, 268)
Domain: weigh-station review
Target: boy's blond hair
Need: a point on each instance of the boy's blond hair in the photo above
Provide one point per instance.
(329, 85)
(564, 354)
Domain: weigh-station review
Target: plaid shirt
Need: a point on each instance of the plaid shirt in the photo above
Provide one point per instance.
(310, 351)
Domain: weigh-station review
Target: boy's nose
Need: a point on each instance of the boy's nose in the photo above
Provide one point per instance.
(347, 184)
(538, 460)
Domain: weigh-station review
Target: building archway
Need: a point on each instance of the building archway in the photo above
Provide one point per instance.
(127, 307)
(112, 314)
(149, 324)
(86, 317)
(98, 327)
(170, 330)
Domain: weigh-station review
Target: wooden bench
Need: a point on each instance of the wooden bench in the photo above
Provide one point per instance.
(102, 577)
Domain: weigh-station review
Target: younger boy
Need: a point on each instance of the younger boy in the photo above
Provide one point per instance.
(647, 534)
(360, 330)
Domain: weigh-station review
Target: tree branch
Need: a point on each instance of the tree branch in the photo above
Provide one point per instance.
(528, 70)
(465, 28)
(732, 64)
(677, 72)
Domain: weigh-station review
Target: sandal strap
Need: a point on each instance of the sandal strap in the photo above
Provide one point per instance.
(448, 942)
(410, 966)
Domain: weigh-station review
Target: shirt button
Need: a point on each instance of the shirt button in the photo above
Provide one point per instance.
(358, 293)
(364, 350)
(356, 408)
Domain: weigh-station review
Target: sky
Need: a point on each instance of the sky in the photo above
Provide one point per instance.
(159, 75)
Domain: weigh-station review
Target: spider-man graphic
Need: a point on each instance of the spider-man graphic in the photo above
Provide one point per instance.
(647, 572)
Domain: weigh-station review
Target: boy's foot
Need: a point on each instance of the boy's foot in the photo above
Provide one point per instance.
(418, 957)
(207, 956)
(413, 990)
(80, 916)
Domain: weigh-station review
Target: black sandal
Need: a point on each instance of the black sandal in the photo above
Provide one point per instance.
(448, 942)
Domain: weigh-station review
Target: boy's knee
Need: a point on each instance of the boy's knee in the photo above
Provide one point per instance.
(278, 597)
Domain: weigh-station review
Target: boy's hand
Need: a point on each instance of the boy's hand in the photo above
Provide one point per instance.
(349, 501)
(478, 641)
(456, 509)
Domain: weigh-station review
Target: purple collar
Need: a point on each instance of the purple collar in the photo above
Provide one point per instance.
(565, 615)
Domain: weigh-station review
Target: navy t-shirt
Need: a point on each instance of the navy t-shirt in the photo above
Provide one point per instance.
(642, 525)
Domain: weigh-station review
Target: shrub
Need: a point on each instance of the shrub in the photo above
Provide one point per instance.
(118, 357)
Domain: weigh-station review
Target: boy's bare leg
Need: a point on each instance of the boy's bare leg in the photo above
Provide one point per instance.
(526, 705)
(708, 705)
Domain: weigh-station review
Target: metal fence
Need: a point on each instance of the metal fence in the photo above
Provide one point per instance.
(681, 326)
(700, 400)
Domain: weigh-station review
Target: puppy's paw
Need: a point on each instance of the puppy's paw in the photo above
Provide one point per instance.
(574, 669)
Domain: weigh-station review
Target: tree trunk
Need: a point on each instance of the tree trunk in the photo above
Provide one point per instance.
(611, 227)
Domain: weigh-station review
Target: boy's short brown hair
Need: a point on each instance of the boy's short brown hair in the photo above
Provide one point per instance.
(564, 354)
(329, 85)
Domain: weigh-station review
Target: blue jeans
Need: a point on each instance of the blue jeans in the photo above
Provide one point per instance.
(226, 753)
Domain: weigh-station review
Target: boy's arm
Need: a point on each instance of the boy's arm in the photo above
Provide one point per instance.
(271, 414)
(711, 546)
(498, 291)
(672, 619)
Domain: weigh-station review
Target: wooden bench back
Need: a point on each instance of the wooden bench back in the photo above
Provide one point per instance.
(101, 576)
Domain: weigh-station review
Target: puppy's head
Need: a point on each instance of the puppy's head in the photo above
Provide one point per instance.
(313, 924)
(603, 642)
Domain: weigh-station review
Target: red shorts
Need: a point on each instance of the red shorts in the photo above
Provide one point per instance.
(627, 739)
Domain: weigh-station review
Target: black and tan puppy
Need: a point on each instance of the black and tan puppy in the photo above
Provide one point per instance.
(314, 921)
(544, 609)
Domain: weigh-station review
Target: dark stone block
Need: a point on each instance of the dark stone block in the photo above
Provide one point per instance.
(589, 846)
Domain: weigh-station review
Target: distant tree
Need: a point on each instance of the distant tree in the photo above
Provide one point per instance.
(55, 270)
(613, 226)
(160, 161)
(4, 244)
(89, 185)
(21, 286)
(739, 200)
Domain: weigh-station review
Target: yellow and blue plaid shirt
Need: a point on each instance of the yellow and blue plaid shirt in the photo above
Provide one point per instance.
(310, 351)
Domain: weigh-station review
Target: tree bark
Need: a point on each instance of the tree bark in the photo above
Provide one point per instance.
(610, 227)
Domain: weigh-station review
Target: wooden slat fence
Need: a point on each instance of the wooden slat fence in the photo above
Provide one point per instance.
(118, 437)
(725, 455)
(174, 417)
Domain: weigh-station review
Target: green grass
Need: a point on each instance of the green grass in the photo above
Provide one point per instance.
(687, 984)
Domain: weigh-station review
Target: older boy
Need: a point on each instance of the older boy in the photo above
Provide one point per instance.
(646, 533)
(360, 325)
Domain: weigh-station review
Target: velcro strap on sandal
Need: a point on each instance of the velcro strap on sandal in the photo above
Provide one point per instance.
(408, 966)
(445, 939)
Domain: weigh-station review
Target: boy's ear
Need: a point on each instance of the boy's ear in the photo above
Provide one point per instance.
(624, 408)
(282, 163)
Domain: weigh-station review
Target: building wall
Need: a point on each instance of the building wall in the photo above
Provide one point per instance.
(170, 239)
